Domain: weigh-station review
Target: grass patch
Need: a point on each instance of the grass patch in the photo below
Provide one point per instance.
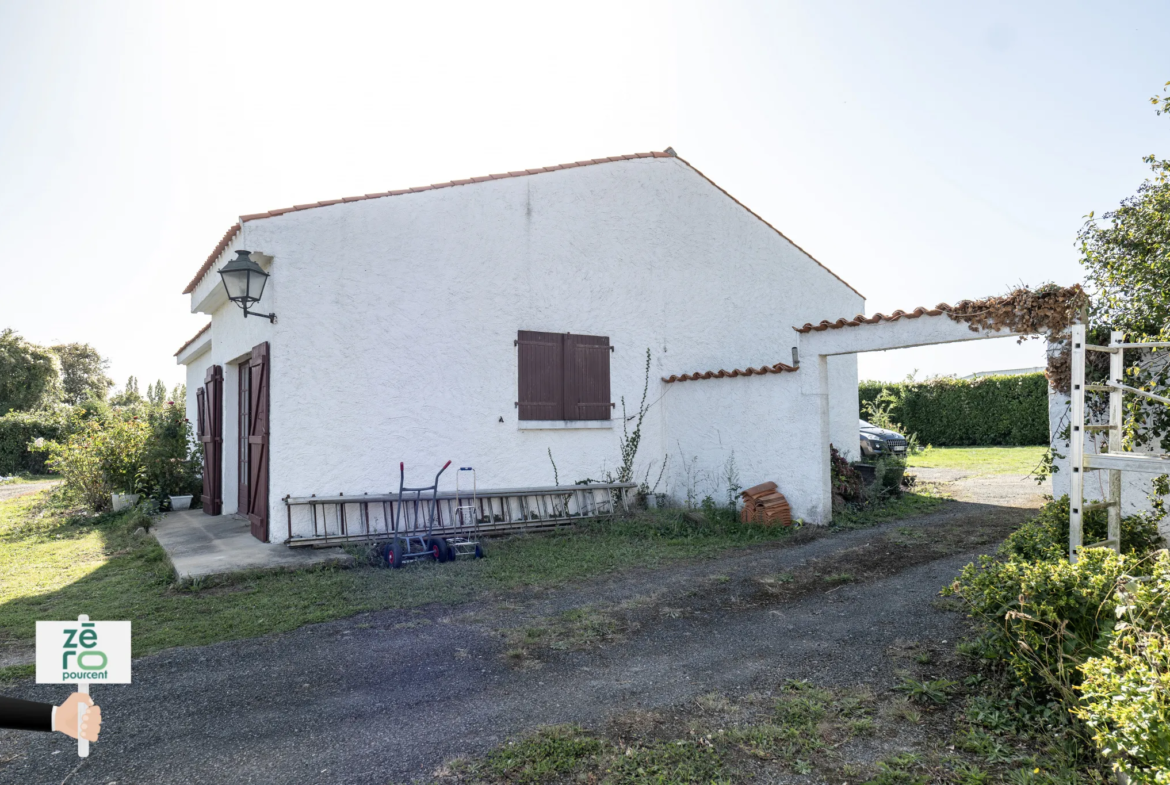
(981, 460)
(798, 729)
(544, 755)
(56, 564)
(925, 498)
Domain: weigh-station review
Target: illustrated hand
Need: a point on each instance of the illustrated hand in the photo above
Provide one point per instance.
(65, 718)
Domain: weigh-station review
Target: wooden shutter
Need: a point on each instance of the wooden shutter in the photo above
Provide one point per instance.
(258, 386)
(587, 377)
(541, 375)
(210, 399)
(243, 424)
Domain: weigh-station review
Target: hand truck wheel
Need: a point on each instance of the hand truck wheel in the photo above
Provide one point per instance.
(392, 553)
(439, 549)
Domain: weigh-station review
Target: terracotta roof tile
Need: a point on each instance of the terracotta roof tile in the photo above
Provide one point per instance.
(721, 374)
(861, 318)
(669, 153)
(194, 338)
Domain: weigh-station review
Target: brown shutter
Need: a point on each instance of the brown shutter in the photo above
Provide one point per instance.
(200, 413)
(541, 378)
(211, 434)
(587, 377)
(258, 385)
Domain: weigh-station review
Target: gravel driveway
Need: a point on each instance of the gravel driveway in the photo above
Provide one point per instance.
(12, 490)
(389, 696)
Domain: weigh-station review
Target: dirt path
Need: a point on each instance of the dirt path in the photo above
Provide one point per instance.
(13, 490)
(390, 696)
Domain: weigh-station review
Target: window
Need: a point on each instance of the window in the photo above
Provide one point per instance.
(563, 376)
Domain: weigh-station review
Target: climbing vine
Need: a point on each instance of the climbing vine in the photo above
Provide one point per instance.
(1044, 312)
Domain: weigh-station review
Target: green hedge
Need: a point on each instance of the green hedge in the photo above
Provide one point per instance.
(17, 430)
(992, 410)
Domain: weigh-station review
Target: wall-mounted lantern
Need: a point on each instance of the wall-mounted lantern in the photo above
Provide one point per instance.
(244, 281)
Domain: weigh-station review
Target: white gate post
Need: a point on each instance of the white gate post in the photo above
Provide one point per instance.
(1076, 442)
(1116, 369)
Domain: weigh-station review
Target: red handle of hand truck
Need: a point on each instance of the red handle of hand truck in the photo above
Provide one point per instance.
(445, 465)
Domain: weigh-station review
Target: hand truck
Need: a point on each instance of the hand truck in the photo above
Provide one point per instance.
(414, 523)
(467, 545)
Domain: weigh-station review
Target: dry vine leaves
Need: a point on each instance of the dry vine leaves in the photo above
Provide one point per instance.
(1046, 311)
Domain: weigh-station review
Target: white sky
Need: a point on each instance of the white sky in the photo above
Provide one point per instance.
(923, 151)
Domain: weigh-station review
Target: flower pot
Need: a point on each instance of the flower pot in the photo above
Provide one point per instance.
(181, 502)
(124, 501)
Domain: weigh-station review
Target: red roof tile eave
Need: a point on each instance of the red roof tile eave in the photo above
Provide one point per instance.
(861, 318)
(194, 338)
(669, 153)
(721, 374)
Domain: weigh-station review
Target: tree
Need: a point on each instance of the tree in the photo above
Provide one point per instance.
(83, 374)
(156, 393)
(30, 375)
(128, 396)
(1126, 256)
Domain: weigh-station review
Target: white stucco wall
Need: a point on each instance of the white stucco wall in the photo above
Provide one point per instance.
(397, 318)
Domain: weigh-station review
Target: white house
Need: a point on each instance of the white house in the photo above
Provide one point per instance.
(494, 320)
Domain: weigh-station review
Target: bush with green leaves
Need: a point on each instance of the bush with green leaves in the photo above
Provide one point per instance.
(140, 449)
(1125, 694)
(100, 458)
(1044, 616)
(1091, 635)
(1046, 535)
(170, 464)
(19, 431)
(946, 412)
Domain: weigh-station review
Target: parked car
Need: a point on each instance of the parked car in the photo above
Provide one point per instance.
(876, 442)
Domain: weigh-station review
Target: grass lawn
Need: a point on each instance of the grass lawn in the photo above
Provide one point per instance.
(982, 460)
(55, 564)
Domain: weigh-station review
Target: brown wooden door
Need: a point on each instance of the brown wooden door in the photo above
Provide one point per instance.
(244, 424)
(258, 385)
(210, 399)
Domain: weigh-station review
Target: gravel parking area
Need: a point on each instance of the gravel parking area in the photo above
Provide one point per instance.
(390, 696)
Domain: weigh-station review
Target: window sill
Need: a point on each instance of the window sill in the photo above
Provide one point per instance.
(563, 425)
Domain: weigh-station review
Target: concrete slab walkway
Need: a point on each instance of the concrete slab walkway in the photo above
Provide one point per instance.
(201, 545)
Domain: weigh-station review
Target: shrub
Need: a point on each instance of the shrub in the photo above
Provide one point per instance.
(99, 458)
(1126, 692)
(992, 410)
(888, 472)
(1045, 616)
(19, 430)
(1046, 535)
(142, 449)
(170, 464)
(845, 479)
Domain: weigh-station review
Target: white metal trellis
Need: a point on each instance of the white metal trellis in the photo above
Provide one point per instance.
(1115, 461)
